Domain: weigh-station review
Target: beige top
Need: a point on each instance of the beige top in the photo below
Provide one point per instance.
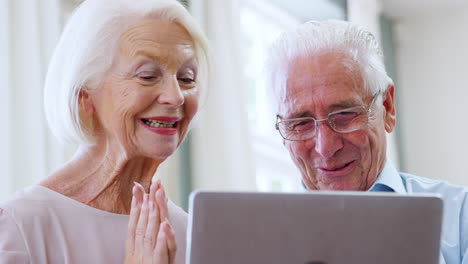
(39, 225)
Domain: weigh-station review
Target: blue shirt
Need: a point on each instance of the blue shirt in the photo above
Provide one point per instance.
(454, 246)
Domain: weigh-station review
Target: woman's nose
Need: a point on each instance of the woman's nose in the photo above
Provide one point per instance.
(171, 94)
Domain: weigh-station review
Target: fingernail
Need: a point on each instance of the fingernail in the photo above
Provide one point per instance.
(151, 206)
(139, 186)
(169, 226)
(158, 183)
(145, 198)
(133, 201)
(153, 185)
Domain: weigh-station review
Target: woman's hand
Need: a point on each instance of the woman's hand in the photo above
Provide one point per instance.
(150, 237)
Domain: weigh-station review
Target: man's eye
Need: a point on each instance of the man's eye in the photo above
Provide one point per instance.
(347, 114)
(301, 125)
(344, 116)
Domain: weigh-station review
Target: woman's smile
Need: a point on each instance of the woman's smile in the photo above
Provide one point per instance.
(162, 125)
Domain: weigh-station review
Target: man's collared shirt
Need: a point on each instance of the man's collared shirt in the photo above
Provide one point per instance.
(455, 218)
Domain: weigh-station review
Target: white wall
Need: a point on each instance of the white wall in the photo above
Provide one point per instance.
(365, 13)
(432, 60)
(7, 185)
(28, 31)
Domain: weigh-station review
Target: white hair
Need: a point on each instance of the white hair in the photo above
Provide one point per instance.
(361, 52)
(87, 48)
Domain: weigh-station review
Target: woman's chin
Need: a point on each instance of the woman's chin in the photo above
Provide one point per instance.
(161, 153)
(155, 149)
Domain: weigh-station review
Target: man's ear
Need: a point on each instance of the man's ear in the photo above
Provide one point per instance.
(86, 104)
(390, 111)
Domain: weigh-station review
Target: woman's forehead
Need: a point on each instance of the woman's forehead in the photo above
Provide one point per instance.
(157, 37)
(159, 29)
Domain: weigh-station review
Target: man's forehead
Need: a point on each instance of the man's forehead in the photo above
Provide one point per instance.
(320, 81)
(321, 78)
(318, 105)
(322, 68)
(328, 79)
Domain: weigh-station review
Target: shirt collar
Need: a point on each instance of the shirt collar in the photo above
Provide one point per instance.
(389, 180)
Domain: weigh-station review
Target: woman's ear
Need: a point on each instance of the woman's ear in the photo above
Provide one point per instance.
(87, 111)
(390, 111)
(86, 104)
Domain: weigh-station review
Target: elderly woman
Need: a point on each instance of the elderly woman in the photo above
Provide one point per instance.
(124, 83)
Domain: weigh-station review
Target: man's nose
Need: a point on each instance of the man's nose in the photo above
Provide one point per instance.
(327, 141)
(171, 93)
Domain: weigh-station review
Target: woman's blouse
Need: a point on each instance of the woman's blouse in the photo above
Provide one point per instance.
(39, 225)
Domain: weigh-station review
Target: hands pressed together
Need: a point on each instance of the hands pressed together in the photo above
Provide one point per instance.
(150, 237)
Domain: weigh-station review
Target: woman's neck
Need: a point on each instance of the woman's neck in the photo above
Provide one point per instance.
(102, 178)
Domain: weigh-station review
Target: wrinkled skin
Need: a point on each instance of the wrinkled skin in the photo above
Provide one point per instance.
(317, 86)
(153, 77)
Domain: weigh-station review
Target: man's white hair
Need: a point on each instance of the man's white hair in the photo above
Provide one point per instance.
(87, 48)
(361, 52)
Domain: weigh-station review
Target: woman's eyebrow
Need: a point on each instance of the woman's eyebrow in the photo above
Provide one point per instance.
(148, 55)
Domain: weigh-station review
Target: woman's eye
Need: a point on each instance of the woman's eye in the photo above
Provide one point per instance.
(146, 76)
(187, 80)
(187, 76)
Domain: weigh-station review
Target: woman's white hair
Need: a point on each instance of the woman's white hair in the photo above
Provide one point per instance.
(86, 51)
(361, 52)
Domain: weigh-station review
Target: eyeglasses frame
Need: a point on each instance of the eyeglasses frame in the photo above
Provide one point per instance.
(368, 112)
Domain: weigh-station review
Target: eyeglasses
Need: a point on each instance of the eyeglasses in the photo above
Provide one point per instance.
(342, 121)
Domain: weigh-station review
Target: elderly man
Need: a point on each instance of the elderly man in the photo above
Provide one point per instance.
(335, 106)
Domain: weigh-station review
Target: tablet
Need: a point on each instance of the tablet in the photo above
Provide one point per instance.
(316, 227)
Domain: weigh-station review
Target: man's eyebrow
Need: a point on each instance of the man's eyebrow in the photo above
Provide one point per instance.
(331, 108)
(298, 115)
(342, 105)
